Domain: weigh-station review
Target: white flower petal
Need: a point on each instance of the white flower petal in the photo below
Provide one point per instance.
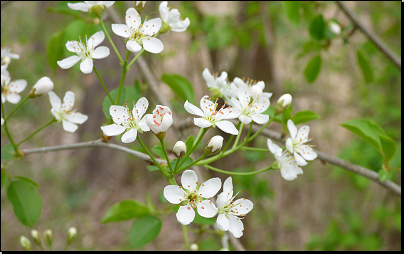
(272, 147)
(209, 188)
(228, 187)
(13, 98)
(54, 100)
(87, 66)
(174, 194)
(76, 117)
(227, 127)
(245, 206)
(68, 101)
(78, 6)
(299, 159)
(121, 30)
(68, 62)
(17, 86)
(143, 124)
(108, 3)
(96, 39)
(163, 9)
(223, 222)
(206, 209)
(100, 52)
(222, 198)
(113, 129)
(307, 153)
(129, 136)
(189, 180)
(140, 108)
(180, 25)
(245, 119)
(118, 113)
(203, 123)
(133, 46)
(192, 109)
(132, 18)
(236, 226)
(260, 119)
(153, 45)
(292, 129)
(151, 27)
(185, 215)
(72, 45)
(68, 126)
(289, 145)
(290, 173)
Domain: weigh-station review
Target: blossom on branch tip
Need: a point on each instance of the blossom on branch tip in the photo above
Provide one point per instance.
(296, 144)
(127, 121)
(139, 34)
(172, 18)
(287, 162)
(64, 112)
(10, 90)
(231, 212)
(251, 107)
(85, 52)
(88, 5)
(250, 86)
(219, 85)
(193, 196)
(160, 120)
(212, 117)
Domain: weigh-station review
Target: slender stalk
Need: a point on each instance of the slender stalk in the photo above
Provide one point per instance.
(103, 85)
(259, 131)
(190, 165)
(227, 144)
(15, 108)
(236, 173)
(110, 41)
(124, 70)
(30, 136)
(249, 131)
(6, 129)
(166, 155)
(185, 233)
(134, 59)
(240, 127)
(151, 156)
(201, 133)
(254, 149)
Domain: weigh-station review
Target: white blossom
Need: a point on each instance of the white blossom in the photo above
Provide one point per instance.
(296, 144)
(287, 162)
(139, 34)
(64, 112)
(172, 18)
(250, 86)
(212, 117)
(219, 85)
(193, 195)
(160, 120)
(85, 52)
(251, 106)
(42, 86)
(88, 5)
(12, 89)
(231, 212)
(127, 121)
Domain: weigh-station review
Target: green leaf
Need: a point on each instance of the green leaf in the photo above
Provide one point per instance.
(3, 178)
(180, 86)
(28, 180)
(271, 112)
(364, 64)
(313, 68)
(132, 94)
(62, 7)
(144, 230)
(304, 116)
(26, 202)
(184, 165)
(107, 102)
(189, 143)
(317, 27)
(287, 114)
(292, 10)
(152, 208)
(7, 152)
(203, 221)
(125, 210)
(367, 130)
(54, 50)
(388, 147)
(384, 175)
(152, 168)
(157, 149)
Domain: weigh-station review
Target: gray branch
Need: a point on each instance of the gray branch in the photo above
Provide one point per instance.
(373, 37)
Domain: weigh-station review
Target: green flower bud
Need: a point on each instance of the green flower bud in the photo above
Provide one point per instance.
(214, 145)
(193, 247)
(25, 243)
(97, 9)
(164, 27)
(48, 237)
(180, 149)
(139, 6)
(283, 103)
(71, 235)
(37, 238)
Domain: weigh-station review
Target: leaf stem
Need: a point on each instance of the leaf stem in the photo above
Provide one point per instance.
(110, 41)
(103, 85)
(201, 133)
(38, 130)
(237, 173)
(6, 129)
(166, 155)
(124, 70)
(15, 108)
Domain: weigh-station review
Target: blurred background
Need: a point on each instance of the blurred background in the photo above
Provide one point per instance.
(326, 208)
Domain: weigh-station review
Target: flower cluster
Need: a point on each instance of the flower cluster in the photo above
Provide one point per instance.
(194, 195)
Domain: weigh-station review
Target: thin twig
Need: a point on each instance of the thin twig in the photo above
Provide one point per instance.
(373, 37)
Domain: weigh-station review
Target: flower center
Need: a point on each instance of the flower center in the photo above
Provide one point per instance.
(213, 115)
(84, 50)
(230, 208)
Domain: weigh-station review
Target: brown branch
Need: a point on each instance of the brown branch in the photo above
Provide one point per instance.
(373, 37)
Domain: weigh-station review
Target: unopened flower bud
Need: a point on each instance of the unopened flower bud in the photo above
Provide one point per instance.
(6, 60)
(139, 6)
(35, 235)
(283, 103)
(43, 86)
(48, 237)
(164, 27)
(256, 91)
(159, 121)
(214, 145)
(180, 149)
(193, 247)
(71, 235)
(334, 27)
(25, 243)
(97, 9)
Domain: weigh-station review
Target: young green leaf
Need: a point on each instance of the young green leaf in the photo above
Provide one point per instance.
(304, 116)
(7, 152)
(367, 130)
(384, 175)
(28, 180)
(26, 201)
(190, 142)
(364, 64)
(125, 210)
(144, 230)
(292, 10)
(317, 27)
(388, 147)
(313, 68)
(152, 168)
(203, 221)
(180, 86)
(3, 178)
(157, 149)
(54, 50)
